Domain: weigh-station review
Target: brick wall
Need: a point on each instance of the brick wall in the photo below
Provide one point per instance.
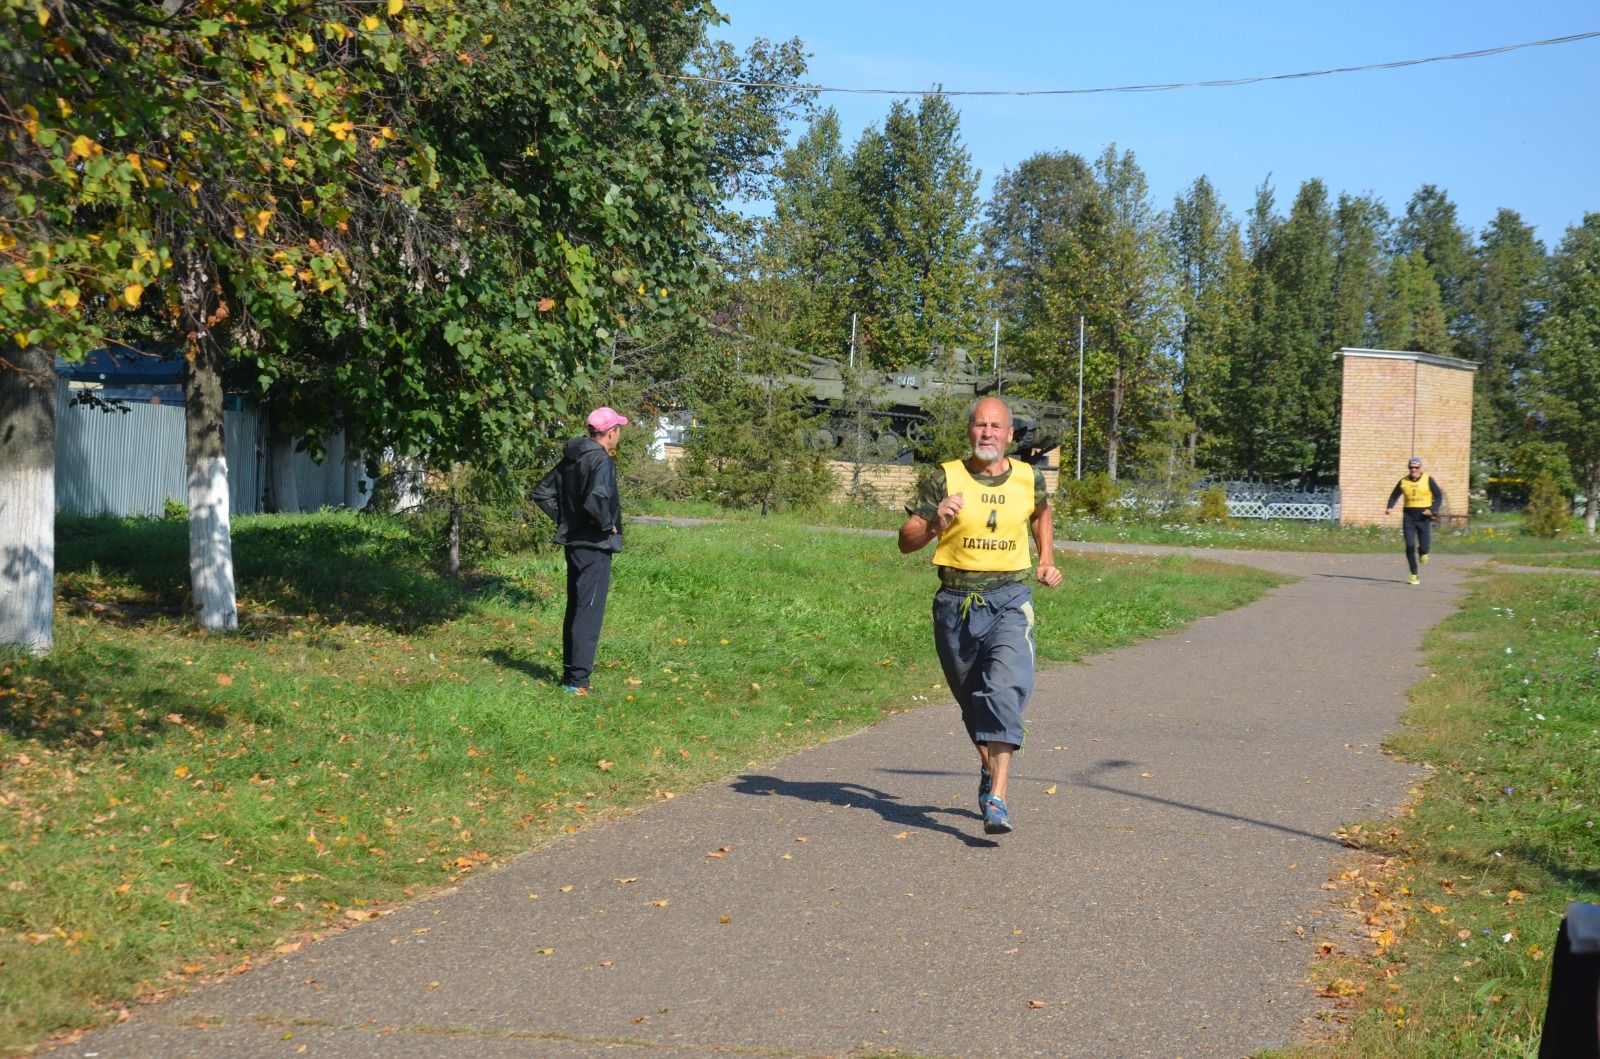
(1395, 405)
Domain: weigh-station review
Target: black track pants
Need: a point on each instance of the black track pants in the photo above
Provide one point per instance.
(1419, 535)
(588, 581)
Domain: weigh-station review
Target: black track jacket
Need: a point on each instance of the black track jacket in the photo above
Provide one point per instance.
(580, 493)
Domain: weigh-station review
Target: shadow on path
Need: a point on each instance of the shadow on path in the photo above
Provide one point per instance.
(1086, 778)
(857, 796)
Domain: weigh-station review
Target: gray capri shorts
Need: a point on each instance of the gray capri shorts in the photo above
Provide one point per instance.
(987, 656)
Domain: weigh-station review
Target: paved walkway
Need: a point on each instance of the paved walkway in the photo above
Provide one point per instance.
(1147, 907)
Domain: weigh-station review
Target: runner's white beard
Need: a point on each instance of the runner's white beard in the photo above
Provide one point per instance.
(986, 452)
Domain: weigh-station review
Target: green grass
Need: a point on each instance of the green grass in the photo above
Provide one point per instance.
(177, 802)
(1488, 535)
(1503, 834)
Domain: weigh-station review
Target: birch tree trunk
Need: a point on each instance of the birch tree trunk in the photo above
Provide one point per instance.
(205, 456)
(27, 501)
(1591, 506)
(210, 533)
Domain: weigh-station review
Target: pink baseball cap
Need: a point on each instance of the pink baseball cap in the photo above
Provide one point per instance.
(604, 418)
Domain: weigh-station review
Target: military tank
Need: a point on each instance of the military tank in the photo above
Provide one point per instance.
(900, 401)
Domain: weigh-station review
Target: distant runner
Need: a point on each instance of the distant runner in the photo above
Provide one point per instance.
(1423, 499)
(982, 510)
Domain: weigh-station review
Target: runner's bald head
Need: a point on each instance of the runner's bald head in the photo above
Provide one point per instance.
(989, 406)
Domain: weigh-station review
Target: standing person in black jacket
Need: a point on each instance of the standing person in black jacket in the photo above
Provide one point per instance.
(580, 493)
(1423, 499)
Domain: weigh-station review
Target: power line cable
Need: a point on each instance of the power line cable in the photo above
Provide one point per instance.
(1226, 83)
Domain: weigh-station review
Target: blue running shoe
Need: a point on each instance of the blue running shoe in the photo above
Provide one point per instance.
(996, 821)
(985, 785)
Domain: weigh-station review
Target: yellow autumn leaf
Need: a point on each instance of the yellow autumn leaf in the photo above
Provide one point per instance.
(82, 147)
(604, 765)
(544, 952)
(43, 14)
(69, 298)
(64, 107)
(1050, 789)
(370, 23)
(132, 293)
(225, 679)
(261, 220)
(546, 304)
(566, 889)
(395, 6)
(181, 771)
(659, 904)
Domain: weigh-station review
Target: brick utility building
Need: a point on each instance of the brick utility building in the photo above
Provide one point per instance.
(1395, 405)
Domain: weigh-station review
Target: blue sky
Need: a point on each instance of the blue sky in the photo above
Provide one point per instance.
(1520, 130)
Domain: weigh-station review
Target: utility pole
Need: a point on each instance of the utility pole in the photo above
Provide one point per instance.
(1080, 397)
(997, 383)
(852, 340)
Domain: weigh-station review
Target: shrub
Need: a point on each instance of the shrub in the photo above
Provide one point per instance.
(1549, 510)
(175, 509)
(1213, 505)
(1094, 495)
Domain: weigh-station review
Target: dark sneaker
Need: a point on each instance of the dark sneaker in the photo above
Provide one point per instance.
(996, 821)
(985, 785)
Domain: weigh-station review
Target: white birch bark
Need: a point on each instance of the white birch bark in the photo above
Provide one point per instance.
(27, 503)
(211, 545)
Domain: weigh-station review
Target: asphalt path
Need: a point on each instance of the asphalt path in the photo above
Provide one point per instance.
(1163, 895)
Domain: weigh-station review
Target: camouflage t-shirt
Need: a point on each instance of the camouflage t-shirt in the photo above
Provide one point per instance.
(926, 504)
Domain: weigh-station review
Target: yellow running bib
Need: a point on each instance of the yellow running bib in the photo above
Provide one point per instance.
(1419, 493)
(990, 532)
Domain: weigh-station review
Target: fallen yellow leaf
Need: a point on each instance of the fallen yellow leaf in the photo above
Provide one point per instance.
(659, 904)
(566, 889)
(544, 952)
(1050, 789)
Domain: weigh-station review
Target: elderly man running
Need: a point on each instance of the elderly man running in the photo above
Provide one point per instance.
(982, 510)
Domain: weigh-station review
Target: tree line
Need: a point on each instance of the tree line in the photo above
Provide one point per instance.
(1209, 337)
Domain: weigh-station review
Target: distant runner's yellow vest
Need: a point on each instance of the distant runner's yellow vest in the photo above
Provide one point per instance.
(1418, 493)
(990, 532)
